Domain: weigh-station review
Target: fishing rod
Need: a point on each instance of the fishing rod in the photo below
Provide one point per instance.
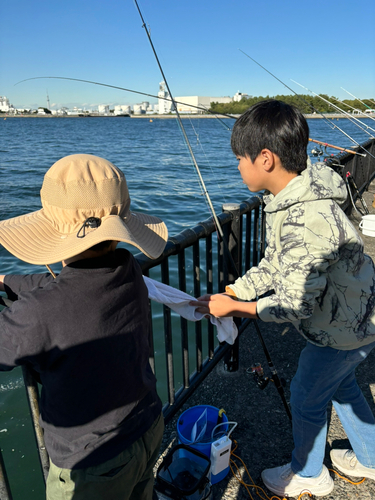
(274, 372)
(203, 186)
(126, 90)
(337, 147)
(357, 98)
(332, 125)
(151, 95)
(205, 192)
(349, 178)
(350, 117)
(352, 107)
(353, 186)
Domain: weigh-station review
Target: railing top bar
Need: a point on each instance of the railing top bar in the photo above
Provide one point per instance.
(190, 235)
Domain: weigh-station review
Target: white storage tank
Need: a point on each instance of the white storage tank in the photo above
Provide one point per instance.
(137, 108)
(121, 109)
(103, 109)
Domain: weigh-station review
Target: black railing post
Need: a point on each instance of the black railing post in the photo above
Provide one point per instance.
(33, 400)
(168, 336)
(233, 270)
(5, 493)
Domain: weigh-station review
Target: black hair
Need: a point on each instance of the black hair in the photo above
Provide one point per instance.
(99, 247)
(276, 126)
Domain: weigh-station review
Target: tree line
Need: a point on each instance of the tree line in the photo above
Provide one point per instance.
(306, 106)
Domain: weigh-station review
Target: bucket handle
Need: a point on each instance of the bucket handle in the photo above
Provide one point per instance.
(361, 224)
(223, 423)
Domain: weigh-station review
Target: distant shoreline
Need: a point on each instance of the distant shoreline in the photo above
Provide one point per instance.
(332, 116)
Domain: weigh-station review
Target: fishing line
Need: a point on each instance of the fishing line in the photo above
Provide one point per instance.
(333, 126)
(165, 98)
(217, 118)
(350, 117)
(199, 183)
(208, 161)
(196, 134)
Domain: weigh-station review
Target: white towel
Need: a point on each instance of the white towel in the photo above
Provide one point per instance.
(179, 302)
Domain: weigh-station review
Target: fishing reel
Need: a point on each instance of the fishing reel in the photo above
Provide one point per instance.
(317, 152)
(261, 380)
(259, 376)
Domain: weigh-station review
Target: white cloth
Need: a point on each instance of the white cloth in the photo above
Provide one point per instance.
(179, 302)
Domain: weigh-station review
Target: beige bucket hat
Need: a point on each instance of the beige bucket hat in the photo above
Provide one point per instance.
(85, 201)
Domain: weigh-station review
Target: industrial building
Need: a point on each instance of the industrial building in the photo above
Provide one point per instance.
(191, 104)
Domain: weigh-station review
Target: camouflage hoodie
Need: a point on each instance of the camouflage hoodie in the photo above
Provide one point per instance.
(323, 283)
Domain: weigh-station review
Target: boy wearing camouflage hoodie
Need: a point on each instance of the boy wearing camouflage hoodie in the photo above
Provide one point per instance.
(322, 283)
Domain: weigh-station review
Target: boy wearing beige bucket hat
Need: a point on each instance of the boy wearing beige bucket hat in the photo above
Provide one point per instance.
(85, 332)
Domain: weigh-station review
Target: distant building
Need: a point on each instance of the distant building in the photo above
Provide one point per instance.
(62, 111)
(138, 109)
(145, 106)
(151, 109)
(164, 104)
(75, 111)
(120, 109)
(238, 96)
(103, 109)
(190, 104)
(194, 104)
(5, 105)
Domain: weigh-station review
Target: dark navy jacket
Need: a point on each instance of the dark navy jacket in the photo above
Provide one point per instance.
(85, 335)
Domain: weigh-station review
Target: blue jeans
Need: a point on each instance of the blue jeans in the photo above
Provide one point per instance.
(326, 374)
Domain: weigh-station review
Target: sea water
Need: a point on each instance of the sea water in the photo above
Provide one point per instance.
(162, 181)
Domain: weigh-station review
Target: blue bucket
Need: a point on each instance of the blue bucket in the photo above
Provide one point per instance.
(185, 426)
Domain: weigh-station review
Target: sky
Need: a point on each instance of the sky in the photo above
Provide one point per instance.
(324, 45)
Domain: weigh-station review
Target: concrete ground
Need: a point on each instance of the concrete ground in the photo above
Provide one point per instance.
(263, 435)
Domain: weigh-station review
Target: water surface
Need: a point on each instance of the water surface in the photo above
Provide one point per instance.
(162, 181)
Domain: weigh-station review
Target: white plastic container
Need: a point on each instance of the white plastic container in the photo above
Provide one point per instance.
(367, 225)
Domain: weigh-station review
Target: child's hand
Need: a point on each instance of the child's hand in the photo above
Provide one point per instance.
(219, 305)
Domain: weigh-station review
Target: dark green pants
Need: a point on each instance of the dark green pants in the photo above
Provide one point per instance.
(129, 476)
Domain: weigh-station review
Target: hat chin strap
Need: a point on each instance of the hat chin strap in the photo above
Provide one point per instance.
(50, 270)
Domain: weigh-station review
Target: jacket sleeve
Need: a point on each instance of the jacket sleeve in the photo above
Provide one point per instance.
(18, 342)
(257, 281)
(14, 284)
(302, 280)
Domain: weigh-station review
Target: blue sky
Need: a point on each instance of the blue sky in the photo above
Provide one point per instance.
(324, 45)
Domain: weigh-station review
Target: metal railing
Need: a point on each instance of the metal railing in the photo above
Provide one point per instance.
(201, 261)
(210, 270)
(362, 169)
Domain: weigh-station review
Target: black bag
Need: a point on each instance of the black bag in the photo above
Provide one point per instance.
(183, 475)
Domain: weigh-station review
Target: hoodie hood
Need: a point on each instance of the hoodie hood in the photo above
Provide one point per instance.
(317, 182)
